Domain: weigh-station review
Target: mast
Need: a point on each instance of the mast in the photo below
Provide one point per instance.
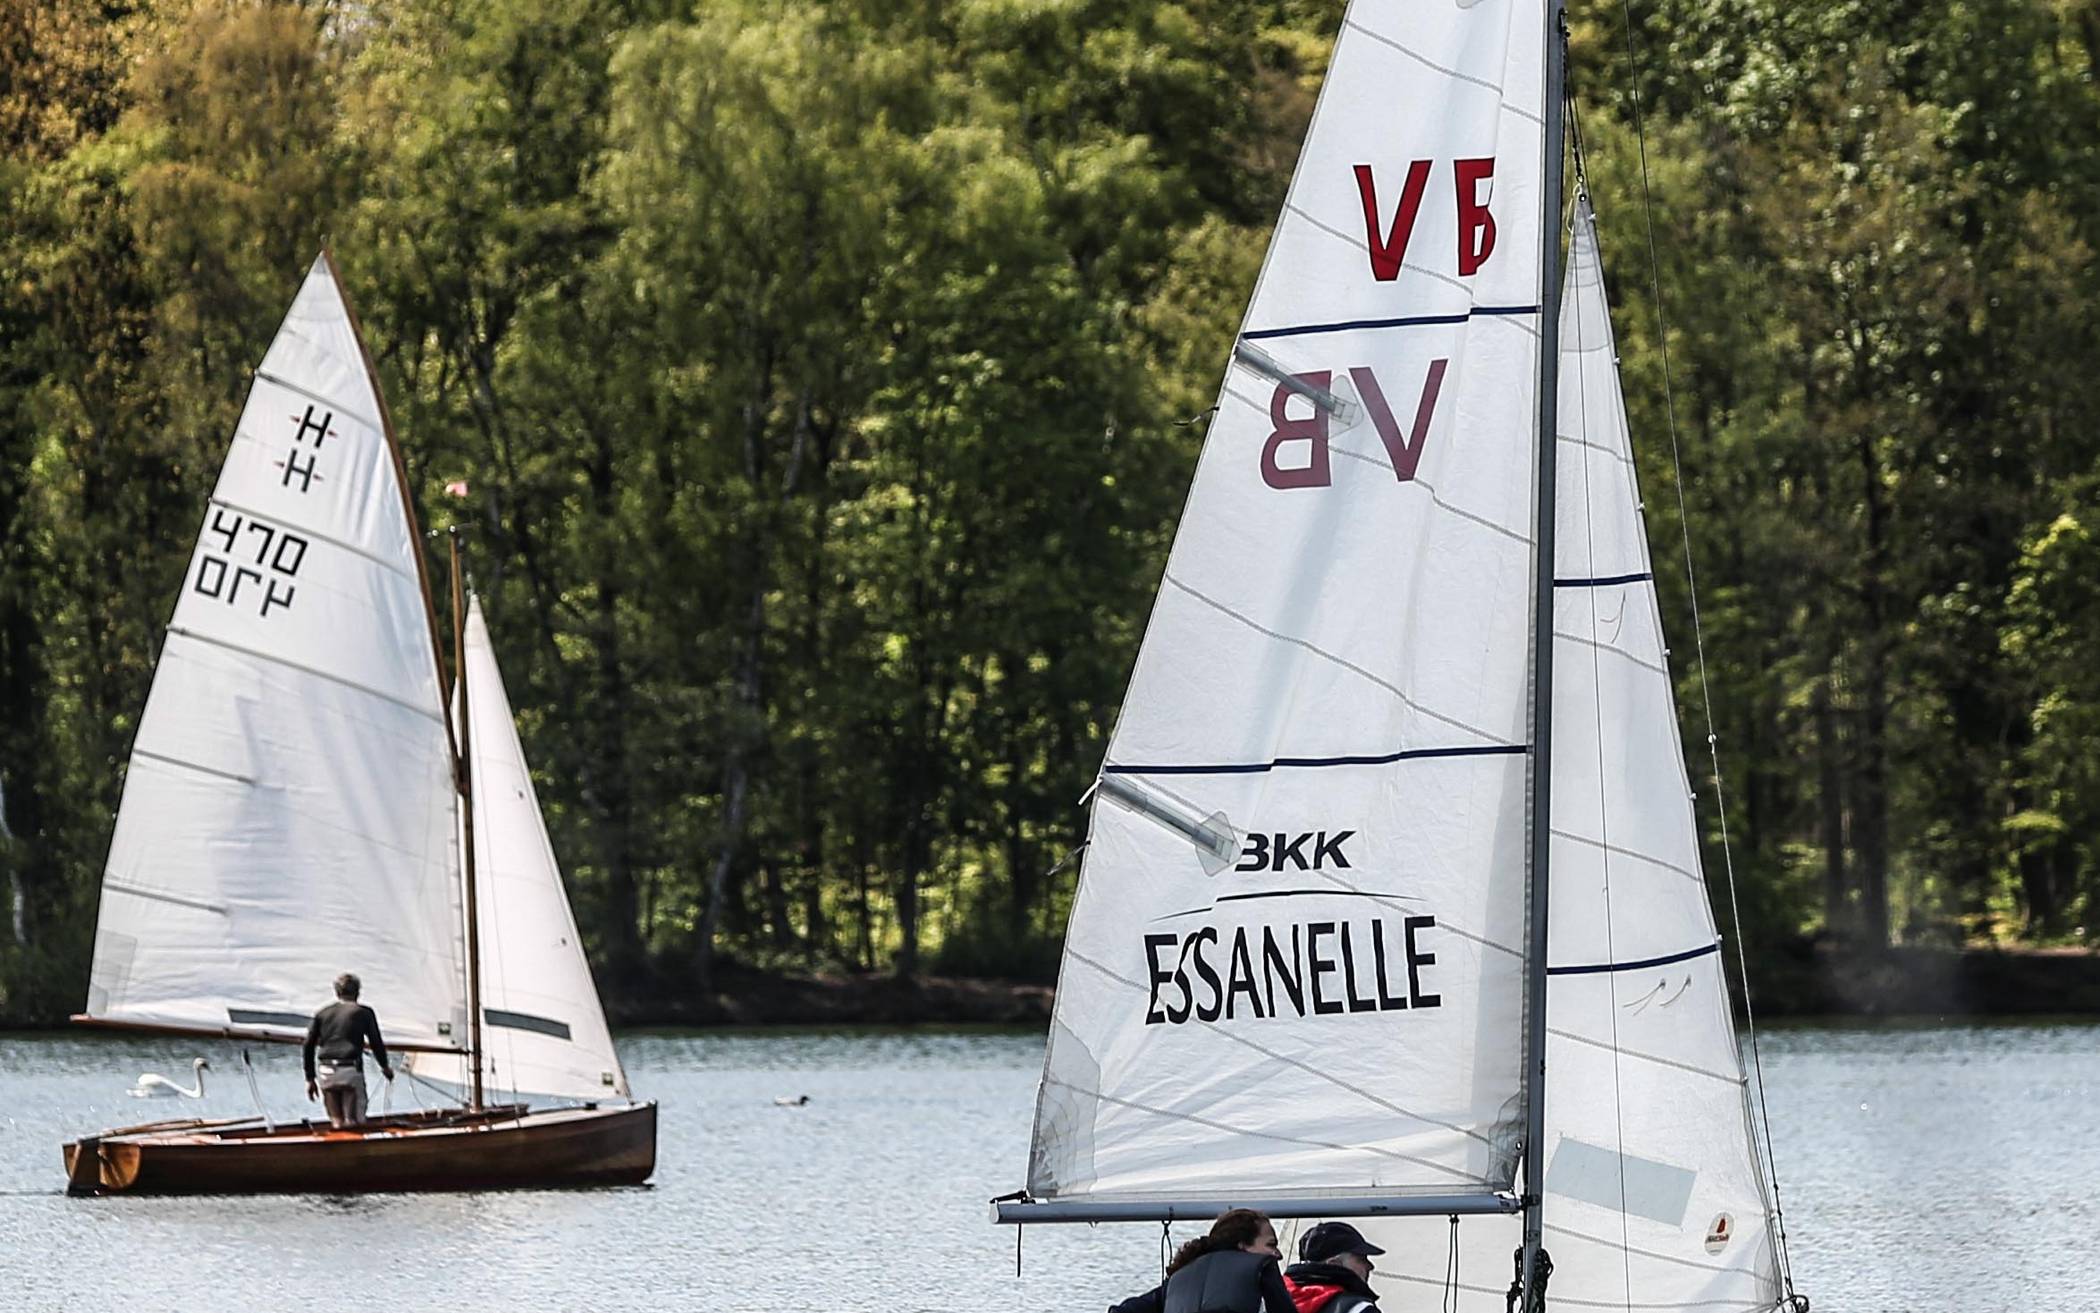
(466, 830)
(1537, 885)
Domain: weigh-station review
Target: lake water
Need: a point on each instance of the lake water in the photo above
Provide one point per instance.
(1922, 1168)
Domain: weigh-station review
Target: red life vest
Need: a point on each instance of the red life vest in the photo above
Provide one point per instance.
(1310, 1297)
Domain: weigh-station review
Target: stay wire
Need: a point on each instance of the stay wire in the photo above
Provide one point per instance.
(1764, 1118)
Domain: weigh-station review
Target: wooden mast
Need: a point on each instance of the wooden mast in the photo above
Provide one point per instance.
(466, 829)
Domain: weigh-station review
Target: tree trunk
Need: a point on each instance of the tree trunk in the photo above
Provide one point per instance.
(1830, 800)
(1870, 816)
(609, 785)
(736, 778)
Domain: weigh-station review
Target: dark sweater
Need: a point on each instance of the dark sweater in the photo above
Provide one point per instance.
(340, 1032)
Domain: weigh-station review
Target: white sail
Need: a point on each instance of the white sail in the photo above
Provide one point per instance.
(288, 813)
(1654, 1194)
(1296, 961)
(543, 1031)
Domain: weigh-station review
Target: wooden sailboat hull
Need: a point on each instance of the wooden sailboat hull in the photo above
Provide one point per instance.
(495, 1149)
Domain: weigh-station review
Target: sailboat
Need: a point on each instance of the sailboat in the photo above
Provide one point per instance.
(309, 793)
(1392, 905)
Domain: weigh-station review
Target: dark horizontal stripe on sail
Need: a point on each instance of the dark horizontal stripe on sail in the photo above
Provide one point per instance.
(1604, 581)
(526, 1021)
(1412, 321)
(1601, 967)
(1292, 893)
(229, 1032)
(257, 1017)
(1262, 767)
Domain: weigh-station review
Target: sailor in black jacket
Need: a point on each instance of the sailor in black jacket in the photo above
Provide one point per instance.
(1335, 1276)
(1235, 1269)
(338, 1036)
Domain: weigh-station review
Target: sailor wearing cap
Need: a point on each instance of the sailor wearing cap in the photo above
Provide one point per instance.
(1334, 1271)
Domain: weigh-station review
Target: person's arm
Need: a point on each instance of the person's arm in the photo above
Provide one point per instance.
(1275, 1296)
(378, 1044)
(1152, 1301)
(306, 1055)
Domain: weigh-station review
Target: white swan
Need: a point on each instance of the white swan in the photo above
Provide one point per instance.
(151, 1086)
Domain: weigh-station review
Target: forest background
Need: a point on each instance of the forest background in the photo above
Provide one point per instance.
(827, 378)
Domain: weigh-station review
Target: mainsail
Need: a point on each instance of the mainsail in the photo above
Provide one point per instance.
(289, 811)
(543, 1031)
(1296, 964)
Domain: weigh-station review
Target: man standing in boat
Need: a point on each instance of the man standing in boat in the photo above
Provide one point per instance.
(339, 1034)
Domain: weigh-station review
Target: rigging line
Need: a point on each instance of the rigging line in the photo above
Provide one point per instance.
(1713, 742)
(1451, 1270)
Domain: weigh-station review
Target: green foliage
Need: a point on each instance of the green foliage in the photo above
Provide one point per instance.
(827, 378)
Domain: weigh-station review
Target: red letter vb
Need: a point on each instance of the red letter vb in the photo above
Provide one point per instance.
(1389, 251)
(1405, 451)
(1312, 429)
(1476, 227)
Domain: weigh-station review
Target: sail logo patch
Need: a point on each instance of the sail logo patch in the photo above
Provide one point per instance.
(1719, 1233)
(223, 567)
(1309, 850)
(1313, 968)
(1314, 469)
(322, 430)
(1386, 242)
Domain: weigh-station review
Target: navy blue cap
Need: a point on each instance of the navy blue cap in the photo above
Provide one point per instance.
(1331, 1240)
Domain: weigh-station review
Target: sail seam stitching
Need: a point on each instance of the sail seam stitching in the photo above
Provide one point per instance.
(136, 753)
(1657, 1255)
(1624, 851)
(1436, 498)
(317, 398)
(138, 891)
(290, 664)
(1259, 1135)
(1569, 439)
(1689, 1068)
(1341, 661)
(1452, 73)
(1616, 651)
(304, 531)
